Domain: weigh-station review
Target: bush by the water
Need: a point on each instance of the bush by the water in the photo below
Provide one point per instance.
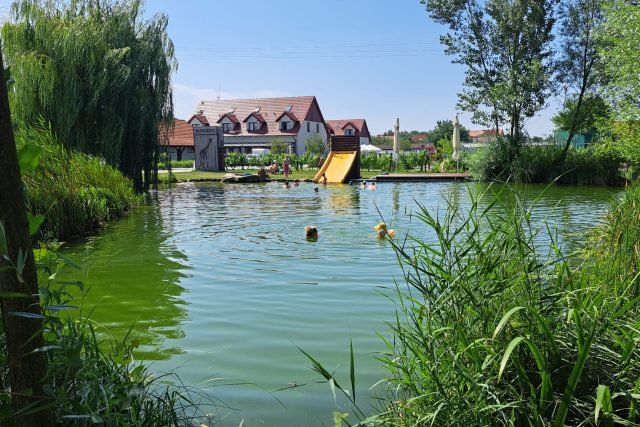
(176, 164)
(537, 164)
(491, 330)
(73, 191)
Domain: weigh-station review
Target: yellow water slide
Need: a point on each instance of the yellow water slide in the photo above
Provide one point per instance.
(337, 166)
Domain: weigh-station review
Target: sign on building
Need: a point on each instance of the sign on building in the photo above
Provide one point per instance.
(209, 148)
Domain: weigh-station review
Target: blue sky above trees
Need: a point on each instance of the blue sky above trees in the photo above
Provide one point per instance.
(373, 59)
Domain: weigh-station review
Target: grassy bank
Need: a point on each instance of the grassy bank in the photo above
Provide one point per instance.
(537, 164)
(74, 192)
(491, 331)
(305, 174)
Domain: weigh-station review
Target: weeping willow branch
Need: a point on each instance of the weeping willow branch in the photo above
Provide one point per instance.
(98, 72)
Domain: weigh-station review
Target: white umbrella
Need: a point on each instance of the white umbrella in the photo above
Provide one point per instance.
(396, 140)
(455, 141)
(369, 147)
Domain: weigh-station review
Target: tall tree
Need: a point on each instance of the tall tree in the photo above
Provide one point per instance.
(579, 66)
(444, 130)
(98, 72)
(21, 314)
(506, 48)
(620, 36)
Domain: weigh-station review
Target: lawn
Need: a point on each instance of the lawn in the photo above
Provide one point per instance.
(216, 176)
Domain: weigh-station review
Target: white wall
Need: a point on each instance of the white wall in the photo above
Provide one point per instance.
(195, 122)
(304, 135)
(364, 140)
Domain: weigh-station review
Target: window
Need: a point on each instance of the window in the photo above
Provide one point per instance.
(284, 125)
(317, 127)
(252, 126)
(226, 127)
(348, 132)
(308, 127)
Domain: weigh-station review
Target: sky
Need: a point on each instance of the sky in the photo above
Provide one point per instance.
(371, 59)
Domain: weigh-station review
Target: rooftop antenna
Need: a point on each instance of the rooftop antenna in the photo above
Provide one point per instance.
(218, 97)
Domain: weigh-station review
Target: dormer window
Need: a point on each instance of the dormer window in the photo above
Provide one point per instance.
(348, 132)
(284, 125)
(226, 127)
(252, 126)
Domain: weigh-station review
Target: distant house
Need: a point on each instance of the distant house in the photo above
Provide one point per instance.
(178, 140)
(419, 138)
(350, 127)
(250, 124)
(484, 136)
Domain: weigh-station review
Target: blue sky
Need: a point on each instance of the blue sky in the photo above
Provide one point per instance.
(376, 59)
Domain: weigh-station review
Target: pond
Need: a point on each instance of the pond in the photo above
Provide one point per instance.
(223, 288)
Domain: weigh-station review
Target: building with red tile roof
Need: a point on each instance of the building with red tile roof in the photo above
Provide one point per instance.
(350, 127)
(484, 136)
(250, 124)
(419, 138)
(179, 140)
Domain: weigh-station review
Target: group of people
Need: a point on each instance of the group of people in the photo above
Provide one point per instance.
(286, 168)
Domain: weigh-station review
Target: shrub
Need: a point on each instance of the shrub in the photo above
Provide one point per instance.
(537, 164)
(75, 192)
(176, 164)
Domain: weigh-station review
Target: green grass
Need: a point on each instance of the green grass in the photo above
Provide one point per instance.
(217, 176)
(491, 332)
(74, 192)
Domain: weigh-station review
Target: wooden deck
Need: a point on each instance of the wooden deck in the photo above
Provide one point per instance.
(398, 177)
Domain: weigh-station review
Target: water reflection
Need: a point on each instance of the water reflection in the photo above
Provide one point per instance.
(133, 276)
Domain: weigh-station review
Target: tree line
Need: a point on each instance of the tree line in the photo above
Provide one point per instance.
(98, 71)
(519, 54)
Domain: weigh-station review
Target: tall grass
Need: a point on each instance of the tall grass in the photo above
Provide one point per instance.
(537, 164)
(490, 331)
(93, 379)
(75, 192)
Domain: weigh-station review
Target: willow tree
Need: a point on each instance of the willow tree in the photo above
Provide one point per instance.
(505, 46)
(99, 72)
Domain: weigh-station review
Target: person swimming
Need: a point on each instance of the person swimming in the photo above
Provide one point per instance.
(363, 184)
(323, 180)
(316, 189)
(372, 186)
(286, 184)
(311, 232)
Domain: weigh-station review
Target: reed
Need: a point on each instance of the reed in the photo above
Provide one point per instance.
(493, 331)
(73, 191)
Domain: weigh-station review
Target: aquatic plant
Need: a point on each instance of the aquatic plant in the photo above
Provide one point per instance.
(492, 332)
(75, 192)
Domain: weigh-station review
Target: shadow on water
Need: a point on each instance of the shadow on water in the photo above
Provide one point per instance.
(132, 274)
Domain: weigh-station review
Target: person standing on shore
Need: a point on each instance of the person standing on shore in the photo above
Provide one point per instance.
(286, 169)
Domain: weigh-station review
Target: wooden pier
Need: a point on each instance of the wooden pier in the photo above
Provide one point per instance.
(415, 177)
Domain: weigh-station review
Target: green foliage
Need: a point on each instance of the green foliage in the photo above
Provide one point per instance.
(80, 64)
(444, 130)
(405, 145)
(74, 192)
(537, 164)
(278, 146)
(506, 82)
(491, 331)
(176, 164)
(92, 378)
(314, 145)
(620, 38)
(593, 110)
